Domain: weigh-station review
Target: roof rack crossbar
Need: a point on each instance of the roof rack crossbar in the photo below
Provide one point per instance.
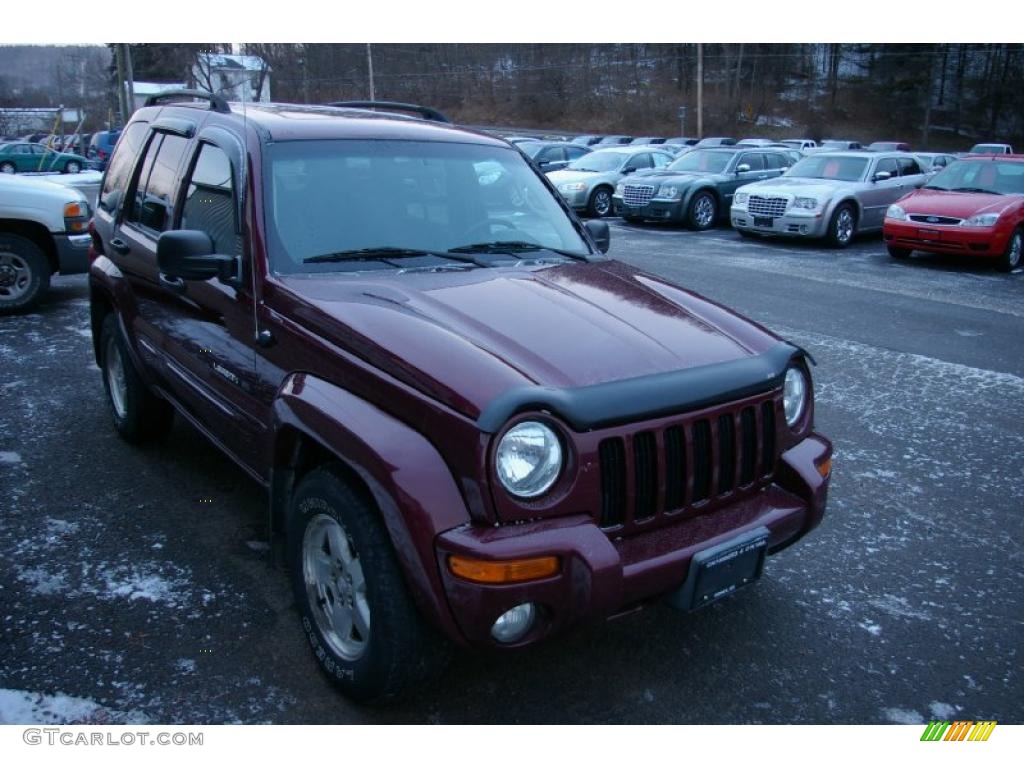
(428, 113)
(217, 103)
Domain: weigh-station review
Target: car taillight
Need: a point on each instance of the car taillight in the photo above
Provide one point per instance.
(96, 246)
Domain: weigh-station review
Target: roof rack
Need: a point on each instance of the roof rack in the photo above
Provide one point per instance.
(217, 103)
(428, 113)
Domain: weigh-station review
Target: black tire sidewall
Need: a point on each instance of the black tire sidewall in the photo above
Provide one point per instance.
(12, 166)
(1004, 264)
(39, 269)
(146, 416)
(75, 163)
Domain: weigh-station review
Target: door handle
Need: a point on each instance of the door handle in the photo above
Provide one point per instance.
(120, 246)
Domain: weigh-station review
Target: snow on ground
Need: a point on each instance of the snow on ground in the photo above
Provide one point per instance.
(10, 457)
(31, 708)
(902, 716)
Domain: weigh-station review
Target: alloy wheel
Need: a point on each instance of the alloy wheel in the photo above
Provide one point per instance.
(602, 202)
(116, 381)
(704, 211)
(336, 587)
(844, 226)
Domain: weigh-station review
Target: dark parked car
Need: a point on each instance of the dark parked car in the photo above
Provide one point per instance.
(587, 140)
(471, 425)
(647, 140)
(685, 140)
(553, 155)
(101, 147)
(716, 141)
(697, 188)
(612, 141)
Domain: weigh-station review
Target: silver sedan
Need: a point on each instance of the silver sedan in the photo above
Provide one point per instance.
(587, 183)
(830, 195)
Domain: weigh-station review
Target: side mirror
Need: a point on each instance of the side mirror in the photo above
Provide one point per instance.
(742, 168)
(882, 176)
(187, 254)
(601, 234)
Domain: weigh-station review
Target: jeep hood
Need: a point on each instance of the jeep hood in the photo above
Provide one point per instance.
(466, 337)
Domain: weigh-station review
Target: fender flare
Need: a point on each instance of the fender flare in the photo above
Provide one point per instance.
(408, 479)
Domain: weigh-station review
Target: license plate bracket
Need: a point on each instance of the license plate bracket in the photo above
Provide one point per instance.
(764, 221)
(722, 570)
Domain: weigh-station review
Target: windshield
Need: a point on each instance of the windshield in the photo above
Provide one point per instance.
(833, 167)
(992, 176)
(531, 148)
(598, 162)
(702, 161)
(986, 149)
(338, 197)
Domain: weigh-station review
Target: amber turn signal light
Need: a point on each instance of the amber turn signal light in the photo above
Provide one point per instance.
(503, 571)
(825, 467)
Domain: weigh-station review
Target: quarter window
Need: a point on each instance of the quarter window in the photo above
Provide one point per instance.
(887, 165)
(909, 167)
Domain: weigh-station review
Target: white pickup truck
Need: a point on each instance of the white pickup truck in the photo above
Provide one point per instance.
(43, 230)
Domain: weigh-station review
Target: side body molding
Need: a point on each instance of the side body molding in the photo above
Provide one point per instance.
(410, 482)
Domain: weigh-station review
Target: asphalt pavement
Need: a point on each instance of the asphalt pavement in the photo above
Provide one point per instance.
(135, 585)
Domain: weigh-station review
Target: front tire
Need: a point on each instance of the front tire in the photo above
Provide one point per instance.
(356, 611)
(8, 167)
(139, 415)
(72, 166)
(842, 227)
(600, 203)
(703, 211)
(1011, 258)
(899, 253)
(24, 274)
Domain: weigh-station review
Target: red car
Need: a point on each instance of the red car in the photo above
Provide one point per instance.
(974, 207)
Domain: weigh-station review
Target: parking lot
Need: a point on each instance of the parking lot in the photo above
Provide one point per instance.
(137, 581)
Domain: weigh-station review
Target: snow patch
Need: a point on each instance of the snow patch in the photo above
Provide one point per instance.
(871, 627)
(942, 711)
(10, 457)
(31, 708)
(903, 716)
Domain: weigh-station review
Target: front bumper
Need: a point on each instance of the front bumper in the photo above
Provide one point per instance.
(601, 577)
(790, 224)
(576, 200)
(664, 210)
(72, 253)
(971, 241)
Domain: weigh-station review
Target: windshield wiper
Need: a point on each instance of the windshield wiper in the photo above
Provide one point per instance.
(511, 247)
(976, 189)
(941, 189)
(379, 253)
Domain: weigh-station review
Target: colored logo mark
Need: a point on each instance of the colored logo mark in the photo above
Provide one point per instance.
(958, 730)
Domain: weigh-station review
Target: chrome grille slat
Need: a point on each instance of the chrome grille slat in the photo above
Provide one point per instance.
(766, 206)
(637, 194)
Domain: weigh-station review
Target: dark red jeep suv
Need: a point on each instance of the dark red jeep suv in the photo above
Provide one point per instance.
(473, 426)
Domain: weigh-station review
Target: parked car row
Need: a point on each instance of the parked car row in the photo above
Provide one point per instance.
(972, 205)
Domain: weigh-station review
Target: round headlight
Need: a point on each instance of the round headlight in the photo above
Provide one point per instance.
(528, 459)
(794, 396)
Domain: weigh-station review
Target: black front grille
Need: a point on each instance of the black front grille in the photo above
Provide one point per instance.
(695, 461)
(927, 218)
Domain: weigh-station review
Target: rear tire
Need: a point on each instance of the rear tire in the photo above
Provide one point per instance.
(139, 415)
(350, 592)
(24, 274)
(842, 227)
(899, 253)
(72, 166)
(8, 167)
(1011, 258)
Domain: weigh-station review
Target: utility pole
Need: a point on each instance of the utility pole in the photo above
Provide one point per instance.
(369, 67)
(130, 79)
(929, 91)
(700, 91)
(122, 107)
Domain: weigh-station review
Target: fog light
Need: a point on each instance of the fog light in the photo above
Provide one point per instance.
(514, 624)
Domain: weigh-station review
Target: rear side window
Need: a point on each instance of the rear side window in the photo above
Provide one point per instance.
(909, 166)
(888, 165)
(155, 189)
(210, 200)
(120, 169)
